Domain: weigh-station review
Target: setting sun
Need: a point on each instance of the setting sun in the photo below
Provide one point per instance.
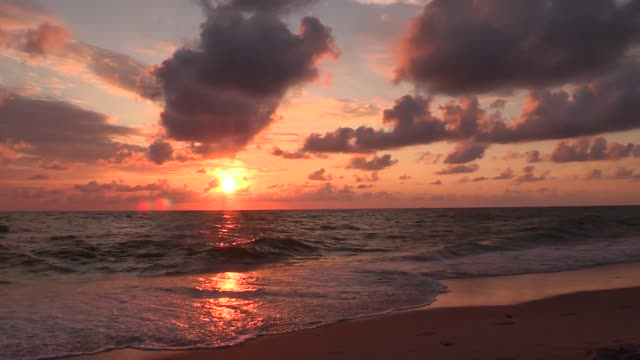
(228, 185)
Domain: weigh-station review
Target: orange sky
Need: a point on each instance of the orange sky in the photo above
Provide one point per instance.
(87, 89)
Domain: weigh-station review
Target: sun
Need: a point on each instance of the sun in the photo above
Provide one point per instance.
(228, 185)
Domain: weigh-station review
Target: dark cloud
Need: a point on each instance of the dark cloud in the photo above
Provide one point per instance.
(289, 155)
(506, 174)
(115, 186)
(594, 174)
(468, 46)
(591, 149)
(57, 130)
(364, 186)
(465, 152)
(623, 173)
(608, 105)
(160, 152)
(404, 177)
(532, 156)
(223, 92)
(466, 179)
(366, 178)
(375, 164)
(528, 175)
(458, 169)
(319, 175)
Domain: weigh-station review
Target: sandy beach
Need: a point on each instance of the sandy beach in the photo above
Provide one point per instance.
(591, 313)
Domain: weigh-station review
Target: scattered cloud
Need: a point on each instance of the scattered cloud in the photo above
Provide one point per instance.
(591, 149)
(375, 164)
(458, 169)
(319, 175)
(465, 152)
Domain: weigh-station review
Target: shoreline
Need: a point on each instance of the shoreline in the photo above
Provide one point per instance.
(468, 300)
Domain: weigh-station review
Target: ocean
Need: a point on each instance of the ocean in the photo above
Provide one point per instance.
(85, 282)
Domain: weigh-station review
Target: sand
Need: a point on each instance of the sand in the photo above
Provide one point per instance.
(593, 313)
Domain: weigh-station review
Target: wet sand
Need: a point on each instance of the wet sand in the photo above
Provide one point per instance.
(592, 313)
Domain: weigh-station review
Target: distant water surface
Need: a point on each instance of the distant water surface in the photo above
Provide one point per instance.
(81, 282)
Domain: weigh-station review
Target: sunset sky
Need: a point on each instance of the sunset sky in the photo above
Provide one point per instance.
(247, 104)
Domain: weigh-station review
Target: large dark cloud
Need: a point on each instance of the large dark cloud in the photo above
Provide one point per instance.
(590, 149)
(57, 130)
(465, 152)
(375, 164)
(609, 104)
(223, 92)
(458, 46)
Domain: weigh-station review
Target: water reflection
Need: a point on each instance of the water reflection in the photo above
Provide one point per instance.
(235, 311)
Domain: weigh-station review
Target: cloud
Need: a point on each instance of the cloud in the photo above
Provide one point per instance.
(404, 177)
(375, 164)
(430, 158)
(620, 173)
(289, 155)
(609, 104)
(506, 174)
(48, 39)
(437, 182)
(591, 149)
(364, 186)
(213, 184)
(16, 15)
(529, 176)
(38, 177)
(366, 178)
(473, 46)
(458, 169)
(45, 39)
(532, 156)
(222, 92)
(115, 186)
(160, 152)
(271, 6)
(319, 175)
(56, 166)
(465, 152)
(58, 130)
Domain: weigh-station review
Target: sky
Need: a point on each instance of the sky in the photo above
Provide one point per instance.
(292, 104)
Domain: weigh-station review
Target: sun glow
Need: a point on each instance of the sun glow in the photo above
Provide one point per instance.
(228, 185)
